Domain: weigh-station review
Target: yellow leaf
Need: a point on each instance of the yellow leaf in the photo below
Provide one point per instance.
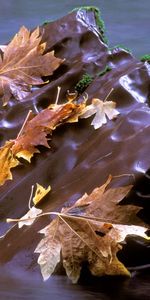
(40, 193)
(7, 162)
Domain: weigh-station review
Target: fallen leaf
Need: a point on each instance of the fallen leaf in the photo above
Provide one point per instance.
(31, 214)
(24, 63)
(7, 162)
(91, 231)
(101, 109)
(36, 130)
(34, 133)
(49, 249)
(40, 193)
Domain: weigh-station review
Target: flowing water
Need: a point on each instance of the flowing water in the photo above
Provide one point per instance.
(127, 22)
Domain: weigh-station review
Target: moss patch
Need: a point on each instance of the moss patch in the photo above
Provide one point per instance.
(83, 83)
(99, 22)
(145, 57)
(46, 22)
(104, 71)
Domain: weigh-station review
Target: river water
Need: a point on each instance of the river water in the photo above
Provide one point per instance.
(127, 22)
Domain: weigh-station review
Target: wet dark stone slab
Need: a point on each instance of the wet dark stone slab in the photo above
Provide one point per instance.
(80, 157)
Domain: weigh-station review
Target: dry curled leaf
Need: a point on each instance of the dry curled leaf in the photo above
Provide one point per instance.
(101, 110)
(92, 231)
(24, 63)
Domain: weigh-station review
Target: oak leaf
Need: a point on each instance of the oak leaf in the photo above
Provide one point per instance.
(92, 231)
(24, 63)
(101, 109)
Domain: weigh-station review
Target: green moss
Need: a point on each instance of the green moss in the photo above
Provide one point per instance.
(104, 71)
(46, 22)
(121, 47)
(99, 22)
(145, 57)
(83, 83)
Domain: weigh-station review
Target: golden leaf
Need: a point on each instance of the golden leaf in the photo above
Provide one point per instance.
(40, 193)
(7, 162)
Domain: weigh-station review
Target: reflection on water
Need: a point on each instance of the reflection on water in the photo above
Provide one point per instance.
(22, 287)
(127, 22)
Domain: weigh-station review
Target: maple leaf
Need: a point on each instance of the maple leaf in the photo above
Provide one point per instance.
(24, 63)
(7, 162)
(36, 130)
(101, 109)
(90, 231)
(34, 133)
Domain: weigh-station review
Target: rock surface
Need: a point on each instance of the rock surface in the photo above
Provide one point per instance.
(80, 157)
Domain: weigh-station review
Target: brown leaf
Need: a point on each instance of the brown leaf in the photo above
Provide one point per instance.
(36, 130)
(24, 63)
(90, 231)
(34, 133)
(86, 200)
(7, 162)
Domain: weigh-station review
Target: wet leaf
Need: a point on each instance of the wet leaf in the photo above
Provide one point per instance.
(7, 162)
(34, 133)
(92, 231)
(24, 63)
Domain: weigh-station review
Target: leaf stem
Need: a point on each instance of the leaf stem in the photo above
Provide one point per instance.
(24, 124)
(58, 94)
(108, 95)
